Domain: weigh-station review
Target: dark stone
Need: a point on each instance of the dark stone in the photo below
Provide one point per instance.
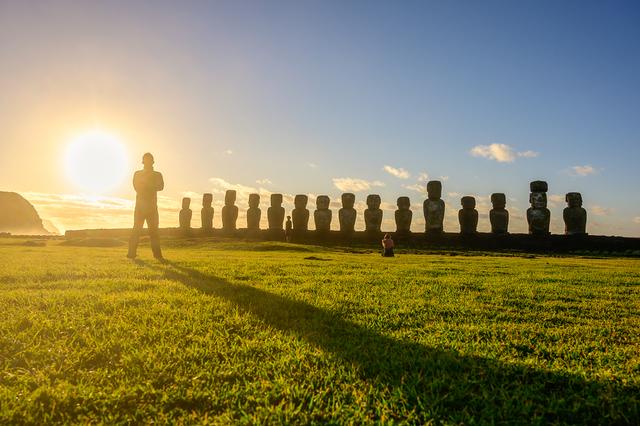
(347, 214)
(433, 207)
(575, 217)
(373, 214)
(275, 213)
(185, 214)
(538, 216)
(254, 213)
(229, 211)
(300, 213)
(403, 215)
(322, 215)
(539, 186)
(498, 216)
(206, 214)
(468, 216)
(18, 216)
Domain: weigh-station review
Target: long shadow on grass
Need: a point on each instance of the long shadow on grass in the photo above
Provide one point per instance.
(437, 384)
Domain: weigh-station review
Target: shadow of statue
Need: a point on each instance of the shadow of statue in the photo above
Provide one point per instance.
(434, 383)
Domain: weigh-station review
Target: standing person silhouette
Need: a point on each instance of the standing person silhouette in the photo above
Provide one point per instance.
(147, 182)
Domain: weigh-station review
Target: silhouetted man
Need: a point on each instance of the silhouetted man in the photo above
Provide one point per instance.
(147, 182)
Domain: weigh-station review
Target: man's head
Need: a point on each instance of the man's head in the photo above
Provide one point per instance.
(147, 160)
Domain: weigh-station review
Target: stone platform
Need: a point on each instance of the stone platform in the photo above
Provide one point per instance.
(454, 241)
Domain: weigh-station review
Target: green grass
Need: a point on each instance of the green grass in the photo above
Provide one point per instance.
(276, 333)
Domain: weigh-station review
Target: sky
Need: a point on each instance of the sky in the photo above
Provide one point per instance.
(324, 97)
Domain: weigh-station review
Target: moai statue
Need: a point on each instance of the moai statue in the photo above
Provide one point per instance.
(575, 216)
(300, 214)
(185, 214)
(229, 211)
(433, 207)
(206, 214)
(498, 216)
(322, 215)
(538, 215)
(275, 213)
(254, 213)
(468, 216)
(347, 214)
(373, 214)
(403, 215)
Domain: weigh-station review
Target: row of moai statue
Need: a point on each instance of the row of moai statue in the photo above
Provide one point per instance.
(538, 215)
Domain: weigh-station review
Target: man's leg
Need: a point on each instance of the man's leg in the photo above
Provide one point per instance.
(138, 223)
(153, 222)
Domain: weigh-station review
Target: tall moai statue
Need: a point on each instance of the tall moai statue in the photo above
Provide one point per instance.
(499, 216)
(322, 215)
(347, 214)
(254, 213)
(300, 213)
(433, 207)
(373, 214)
(229, 211)
(275, 213)
(538, 215)
(574, 215)
(403, 215)
(185, 215)
(468, 216)
(206, 214)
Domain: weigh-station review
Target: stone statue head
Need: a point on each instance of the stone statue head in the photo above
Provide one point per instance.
(374, 201)
(186, 202)
(276, 200)
(574, 199)
(538, 186)
(207, 199)
(322, 202)
(499, 200)
(229, 197)
(254, 201)
(404, 203)
(300, 201)
(434, 189)
(538, 200)
(348, 200)
(468, 202)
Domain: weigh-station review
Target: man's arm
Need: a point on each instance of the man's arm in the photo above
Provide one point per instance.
(136, 182)
(159, 182)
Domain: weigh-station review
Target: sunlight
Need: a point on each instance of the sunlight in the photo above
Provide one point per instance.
(96, 161)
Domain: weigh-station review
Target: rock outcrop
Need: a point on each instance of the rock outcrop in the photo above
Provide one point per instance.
(18, 216)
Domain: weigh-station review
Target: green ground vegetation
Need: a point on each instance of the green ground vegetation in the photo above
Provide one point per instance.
(279, 333)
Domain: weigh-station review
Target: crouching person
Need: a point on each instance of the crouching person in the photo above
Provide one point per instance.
(387, 246)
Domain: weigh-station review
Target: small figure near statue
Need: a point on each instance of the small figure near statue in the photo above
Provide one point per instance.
(147, 182)
(387, 246)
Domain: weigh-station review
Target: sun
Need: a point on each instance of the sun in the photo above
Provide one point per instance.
(96, 161)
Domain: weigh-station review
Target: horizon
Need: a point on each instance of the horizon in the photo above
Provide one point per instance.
(322, 98)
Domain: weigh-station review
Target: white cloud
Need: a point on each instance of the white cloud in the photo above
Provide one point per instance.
(355, 184)
(636, 219)
(312, 165)
(423, 177)
(264, 181)
(597, 210)
(228, 151)
(528, 154)
(500, 152)
(397, 172)
(585, 170)
(444, 178)
(416, 187)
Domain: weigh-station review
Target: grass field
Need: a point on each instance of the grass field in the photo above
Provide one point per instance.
(276, 333)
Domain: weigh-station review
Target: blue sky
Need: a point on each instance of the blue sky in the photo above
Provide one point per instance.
(302, 96)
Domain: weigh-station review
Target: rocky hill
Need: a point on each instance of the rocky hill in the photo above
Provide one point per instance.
(18, 216)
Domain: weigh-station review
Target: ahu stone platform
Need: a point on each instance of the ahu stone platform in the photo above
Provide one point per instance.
(548, 243)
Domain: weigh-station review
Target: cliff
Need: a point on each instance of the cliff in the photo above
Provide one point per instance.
(18, 216)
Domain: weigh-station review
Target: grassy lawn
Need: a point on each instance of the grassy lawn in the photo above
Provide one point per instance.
(276, 333)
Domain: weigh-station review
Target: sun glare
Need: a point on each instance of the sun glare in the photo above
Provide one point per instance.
(96, 161)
